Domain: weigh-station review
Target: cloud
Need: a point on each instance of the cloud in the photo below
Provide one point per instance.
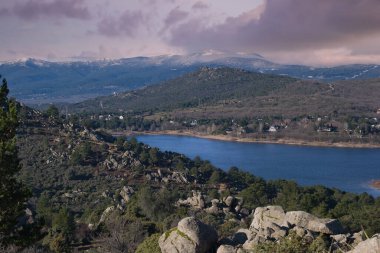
(127, 24)
(199, 6)
(281, 25)
(35, 9)
(175, 16)
(4, 12)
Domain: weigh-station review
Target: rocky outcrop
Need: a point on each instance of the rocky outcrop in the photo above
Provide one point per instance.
(266, 216)
(106, 213)
(232, 206)
(312, 223)
(191, 236)
(197, 201)
(368, 246)
(271, 223)
(126, 193)
(214, 209)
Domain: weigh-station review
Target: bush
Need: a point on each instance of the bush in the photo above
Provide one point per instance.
(293, 244)
(156, 206)
(149, 245)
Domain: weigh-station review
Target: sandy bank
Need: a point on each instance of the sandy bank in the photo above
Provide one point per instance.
(285, 141)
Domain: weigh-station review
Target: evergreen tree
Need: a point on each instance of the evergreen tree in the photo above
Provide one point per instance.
(52, 112)
(12, 193)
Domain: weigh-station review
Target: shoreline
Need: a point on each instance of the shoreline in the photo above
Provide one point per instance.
(374, 184)
(293, 142)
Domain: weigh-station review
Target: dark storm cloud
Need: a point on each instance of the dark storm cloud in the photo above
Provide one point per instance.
(285, 25)
(34, 9)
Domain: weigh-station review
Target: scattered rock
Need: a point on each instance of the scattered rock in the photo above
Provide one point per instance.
(126, 193)
(214, 209)
(179, 177)
(226, 210)
(301, 232)
(265, 216)
(310, 222)
(196, 201)
(227, 249)
(357, 237)
(256, 239)
(368, 246)
(229, 201)
(341, 238)
(106, 213)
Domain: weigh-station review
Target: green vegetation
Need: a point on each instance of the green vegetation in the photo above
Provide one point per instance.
(294, 244)
(13, 194)
(149, 245)
(204, 87)
(76, 173)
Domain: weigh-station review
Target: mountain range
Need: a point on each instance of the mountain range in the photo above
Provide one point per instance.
(36, 81)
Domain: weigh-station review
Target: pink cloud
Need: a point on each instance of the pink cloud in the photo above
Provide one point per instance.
(285, 25)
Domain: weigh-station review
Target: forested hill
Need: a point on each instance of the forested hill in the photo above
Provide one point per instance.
(227, 92)
(206, 86)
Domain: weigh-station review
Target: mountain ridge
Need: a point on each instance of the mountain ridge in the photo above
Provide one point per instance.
(36, 81)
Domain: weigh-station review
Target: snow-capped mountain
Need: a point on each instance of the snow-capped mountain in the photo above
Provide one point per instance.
(41, 81)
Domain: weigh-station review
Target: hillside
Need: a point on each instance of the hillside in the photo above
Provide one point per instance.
(205, 87)
(118, 188)
(37, 81)
(225, 92)
(247, 106)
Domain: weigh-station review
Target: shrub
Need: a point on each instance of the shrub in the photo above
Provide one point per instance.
(149, 245)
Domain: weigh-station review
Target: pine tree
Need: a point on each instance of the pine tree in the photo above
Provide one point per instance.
(12, 193)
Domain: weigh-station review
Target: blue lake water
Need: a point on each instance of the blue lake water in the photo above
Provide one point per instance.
(347, 169)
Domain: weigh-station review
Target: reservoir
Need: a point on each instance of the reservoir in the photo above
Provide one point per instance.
(348, 169)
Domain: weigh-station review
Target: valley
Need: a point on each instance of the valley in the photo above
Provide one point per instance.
(171, 126)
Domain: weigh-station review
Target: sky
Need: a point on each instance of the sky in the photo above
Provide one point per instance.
(312, 32)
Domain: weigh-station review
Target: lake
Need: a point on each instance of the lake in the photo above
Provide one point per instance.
(347, 169)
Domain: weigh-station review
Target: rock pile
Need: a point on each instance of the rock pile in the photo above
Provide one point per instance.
(230, 205)
(197, 201)
(272, 223)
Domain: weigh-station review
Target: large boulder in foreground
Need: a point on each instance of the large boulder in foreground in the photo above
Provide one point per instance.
(368, 246)
(310, 222)
(191, 236)
(266, 216)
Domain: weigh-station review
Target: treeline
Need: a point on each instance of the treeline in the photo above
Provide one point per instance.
(314, 128)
